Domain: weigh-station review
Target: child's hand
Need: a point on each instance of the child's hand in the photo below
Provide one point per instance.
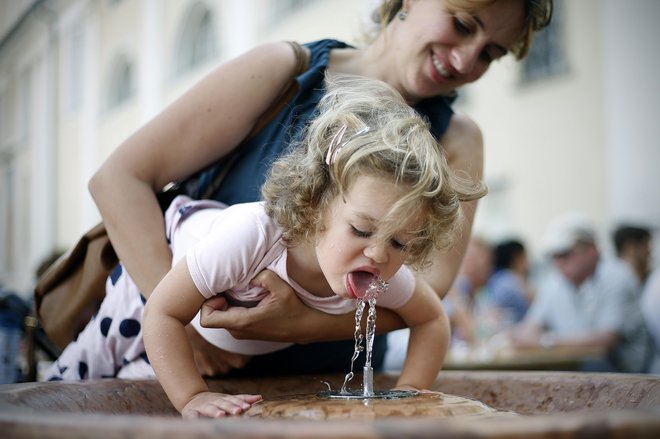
(218, 405)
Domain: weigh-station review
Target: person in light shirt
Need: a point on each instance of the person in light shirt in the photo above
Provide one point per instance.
(587, 300)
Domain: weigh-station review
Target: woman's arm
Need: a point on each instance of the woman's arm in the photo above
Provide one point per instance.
(203, 125)
(463, 145)
(172, 305)
(281, 316)
(429, 339)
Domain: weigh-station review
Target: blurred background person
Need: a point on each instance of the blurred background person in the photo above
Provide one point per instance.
(633, 246)
(12, 312)
(651, 312)
(586, 301)
(508, 288)
(464, 298)
(473, 274)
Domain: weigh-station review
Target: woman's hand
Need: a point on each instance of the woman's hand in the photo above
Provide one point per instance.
(218, 405)
(211, 360)
(278, 317)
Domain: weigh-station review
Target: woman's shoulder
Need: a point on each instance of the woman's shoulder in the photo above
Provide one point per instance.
(325, 45)
(319, 57)
(279, 58)
(463, 144)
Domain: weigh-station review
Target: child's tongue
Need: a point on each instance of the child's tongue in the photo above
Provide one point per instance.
(360, 281)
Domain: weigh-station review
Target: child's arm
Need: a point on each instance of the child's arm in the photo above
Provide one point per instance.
(174, 302)
(429, 338)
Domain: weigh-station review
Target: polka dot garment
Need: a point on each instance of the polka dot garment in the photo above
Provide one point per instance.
(111, 344)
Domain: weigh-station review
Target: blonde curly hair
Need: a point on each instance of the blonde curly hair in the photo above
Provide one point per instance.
(397, 146)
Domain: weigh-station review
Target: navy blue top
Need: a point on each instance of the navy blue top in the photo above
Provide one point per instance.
(243, 182)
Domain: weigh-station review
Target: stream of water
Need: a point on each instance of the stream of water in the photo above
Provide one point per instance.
(376, 287)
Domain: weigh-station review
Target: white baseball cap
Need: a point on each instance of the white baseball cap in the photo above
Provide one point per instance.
(565, 231)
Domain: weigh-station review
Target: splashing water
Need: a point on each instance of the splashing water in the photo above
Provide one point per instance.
(376, 287)
(358, 343)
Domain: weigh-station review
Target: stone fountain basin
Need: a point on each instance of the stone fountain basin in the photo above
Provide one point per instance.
(551, 404)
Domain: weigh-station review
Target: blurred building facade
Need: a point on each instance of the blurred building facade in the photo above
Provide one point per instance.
(574, 129)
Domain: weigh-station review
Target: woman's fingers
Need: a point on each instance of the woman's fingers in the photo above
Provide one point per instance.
(273, 319)
(217, 302)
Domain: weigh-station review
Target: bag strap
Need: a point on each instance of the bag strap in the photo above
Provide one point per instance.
(302, 64)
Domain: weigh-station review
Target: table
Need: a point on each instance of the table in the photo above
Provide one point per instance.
(509, 358)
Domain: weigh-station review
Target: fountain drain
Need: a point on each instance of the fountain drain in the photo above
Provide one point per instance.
(377, 394)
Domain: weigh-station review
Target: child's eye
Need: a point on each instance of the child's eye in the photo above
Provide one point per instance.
(360, 233)
(398, 246)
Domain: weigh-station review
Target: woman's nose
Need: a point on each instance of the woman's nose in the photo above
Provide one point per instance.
(464, 57)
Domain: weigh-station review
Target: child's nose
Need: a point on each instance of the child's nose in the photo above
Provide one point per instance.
(376, 252)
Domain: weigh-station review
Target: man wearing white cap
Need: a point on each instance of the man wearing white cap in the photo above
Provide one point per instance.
(587, 300)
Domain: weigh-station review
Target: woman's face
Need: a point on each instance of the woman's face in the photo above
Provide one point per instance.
(439, 50)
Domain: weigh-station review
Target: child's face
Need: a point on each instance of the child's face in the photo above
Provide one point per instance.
(348, 249)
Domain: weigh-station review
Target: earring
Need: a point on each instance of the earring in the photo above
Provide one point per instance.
(402, 15)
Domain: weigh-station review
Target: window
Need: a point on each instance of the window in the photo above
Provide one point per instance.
(282, 8)
(3, 120)
(197, 43)
(121, 82)
(74, 67)
(25, 105)
(7, 225)
(547, 56)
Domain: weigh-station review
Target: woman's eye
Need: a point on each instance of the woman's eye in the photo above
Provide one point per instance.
(360, 233)
(461, 27)
(492, 52)
(486, 57)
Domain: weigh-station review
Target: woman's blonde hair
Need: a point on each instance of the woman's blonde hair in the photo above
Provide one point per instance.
(537, 16)
(398, 146)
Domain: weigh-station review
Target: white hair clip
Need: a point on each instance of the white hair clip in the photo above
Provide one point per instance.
(336, 143)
